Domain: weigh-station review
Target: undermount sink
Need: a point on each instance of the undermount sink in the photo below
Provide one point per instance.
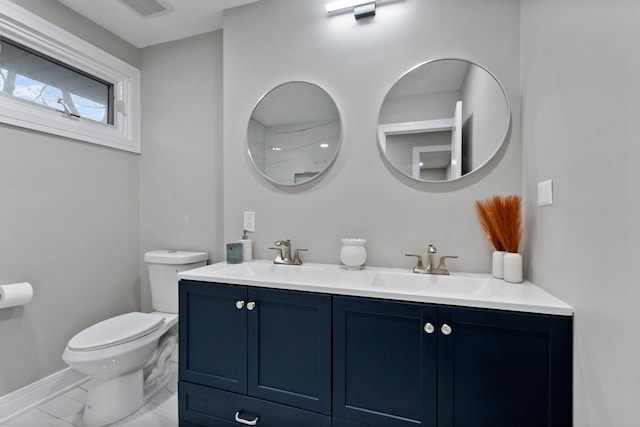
(456, 286)
(310, 274)
(433, 284)
(267, 270)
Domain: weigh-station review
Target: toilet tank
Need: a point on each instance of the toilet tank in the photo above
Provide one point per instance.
(164, 266)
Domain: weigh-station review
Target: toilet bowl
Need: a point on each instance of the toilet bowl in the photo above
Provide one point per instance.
(127, 356)
(114, 354)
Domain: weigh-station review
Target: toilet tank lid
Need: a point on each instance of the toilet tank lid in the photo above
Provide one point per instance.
(175, 257)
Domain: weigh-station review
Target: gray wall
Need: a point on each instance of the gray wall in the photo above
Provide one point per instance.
(274, 41)
(483, 103)
(441, 105)
(580, 68)
(181, 161)
(69, 226)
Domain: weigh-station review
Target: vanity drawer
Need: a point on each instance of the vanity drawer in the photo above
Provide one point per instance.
(337, 422)
(212, 408)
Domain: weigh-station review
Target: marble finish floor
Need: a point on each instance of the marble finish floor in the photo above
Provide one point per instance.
(66, 411)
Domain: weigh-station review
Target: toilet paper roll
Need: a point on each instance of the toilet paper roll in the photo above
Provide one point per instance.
(15, 294)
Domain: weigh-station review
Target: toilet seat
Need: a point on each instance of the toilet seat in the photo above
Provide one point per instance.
(115, 331)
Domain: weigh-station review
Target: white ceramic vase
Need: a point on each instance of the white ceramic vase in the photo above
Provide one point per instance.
(353, 253)
(497, 264)
(512, 267)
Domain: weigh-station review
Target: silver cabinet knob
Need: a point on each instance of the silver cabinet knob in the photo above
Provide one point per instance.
(239, 304)
(446, 329)
(429, 328)
(251, 305)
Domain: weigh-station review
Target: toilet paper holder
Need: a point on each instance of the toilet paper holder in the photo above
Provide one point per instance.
(15, 294)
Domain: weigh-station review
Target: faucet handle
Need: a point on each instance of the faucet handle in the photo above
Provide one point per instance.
(279, 255)
(296, 255)
(419, 268)
(431, 249)
(442, 269)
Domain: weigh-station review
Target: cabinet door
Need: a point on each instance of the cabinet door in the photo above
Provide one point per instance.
(503, 369)
(290, 348)
(384, 363)
(213, 335)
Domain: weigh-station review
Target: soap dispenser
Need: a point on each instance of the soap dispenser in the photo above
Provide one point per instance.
(247, 247)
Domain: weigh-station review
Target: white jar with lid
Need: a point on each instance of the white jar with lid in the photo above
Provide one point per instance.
(353, 253)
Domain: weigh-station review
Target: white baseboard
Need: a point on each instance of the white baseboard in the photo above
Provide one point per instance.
(34, 394)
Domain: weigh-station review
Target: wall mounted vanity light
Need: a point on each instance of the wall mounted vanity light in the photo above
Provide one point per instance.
(361, 8)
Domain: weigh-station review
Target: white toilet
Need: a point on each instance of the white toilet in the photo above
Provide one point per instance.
(127, 356)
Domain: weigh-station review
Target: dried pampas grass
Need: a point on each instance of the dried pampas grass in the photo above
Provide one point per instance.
(488, 212)
(501, 220)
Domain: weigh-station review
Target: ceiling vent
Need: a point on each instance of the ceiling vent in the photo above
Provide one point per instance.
(149, 8)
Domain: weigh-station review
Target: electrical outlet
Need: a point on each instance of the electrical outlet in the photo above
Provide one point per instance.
(545, 193)
(250, 221)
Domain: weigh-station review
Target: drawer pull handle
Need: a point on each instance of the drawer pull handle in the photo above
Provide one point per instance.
(428, 328)
(246, 422)
(250, 306)
(446, 329)
(239, 304)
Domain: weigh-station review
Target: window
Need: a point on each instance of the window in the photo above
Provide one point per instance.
(34, 77)
(54, 82)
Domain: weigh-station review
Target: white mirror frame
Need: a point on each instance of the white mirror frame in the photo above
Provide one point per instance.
(453, 124)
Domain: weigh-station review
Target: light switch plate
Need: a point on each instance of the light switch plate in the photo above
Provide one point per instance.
(250, 221)
(545, 193)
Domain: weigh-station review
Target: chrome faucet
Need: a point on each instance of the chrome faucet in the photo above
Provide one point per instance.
(283, 255)
(429, 269)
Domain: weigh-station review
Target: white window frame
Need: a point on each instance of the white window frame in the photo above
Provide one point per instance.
(30, 30)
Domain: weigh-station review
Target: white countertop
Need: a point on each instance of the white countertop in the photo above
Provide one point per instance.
(459, 289)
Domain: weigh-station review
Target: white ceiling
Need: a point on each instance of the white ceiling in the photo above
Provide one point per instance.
(295, 102)
(432, 77)
(189, 18)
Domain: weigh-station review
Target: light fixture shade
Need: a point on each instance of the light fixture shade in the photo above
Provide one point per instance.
(365, 10)
(346, 4)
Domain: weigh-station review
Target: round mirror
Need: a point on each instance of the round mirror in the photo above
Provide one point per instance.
(294, 133)
(442, 120)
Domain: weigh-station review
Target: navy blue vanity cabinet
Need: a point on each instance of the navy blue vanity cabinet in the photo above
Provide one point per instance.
(248, 352)
(407, 364)
(290, 348)
(213, 336)
(503, 369)
(384, 371)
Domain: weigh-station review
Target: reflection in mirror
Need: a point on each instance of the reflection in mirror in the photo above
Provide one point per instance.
(442, 120)
(294, 133)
